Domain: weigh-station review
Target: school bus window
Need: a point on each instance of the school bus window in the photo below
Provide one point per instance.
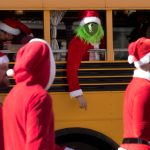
(69, 21)
(34, 20)
(121, 29)
(128, 25)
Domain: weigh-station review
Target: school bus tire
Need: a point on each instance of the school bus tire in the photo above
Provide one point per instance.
(84, 139)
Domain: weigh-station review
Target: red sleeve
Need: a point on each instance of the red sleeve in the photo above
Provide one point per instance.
(40, 124)
(73, 63)
(141, 113)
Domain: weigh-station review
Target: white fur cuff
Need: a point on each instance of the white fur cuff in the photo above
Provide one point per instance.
(76, 93)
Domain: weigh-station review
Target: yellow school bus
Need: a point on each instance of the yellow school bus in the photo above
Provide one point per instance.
(103, 81)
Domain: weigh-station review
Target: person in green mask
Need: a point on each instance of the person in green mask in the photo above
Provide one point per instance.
(89, 35)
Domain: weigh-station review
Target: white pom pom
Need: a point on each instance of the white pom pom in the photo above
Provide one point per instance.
(130, 59)
(10, 72)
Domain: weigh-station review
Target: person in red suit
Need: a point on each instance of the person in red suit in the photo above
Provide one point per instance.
(14, 31)
(28, 120)
(3, 83)
(136, 118)
(88, 36)
(13, 34)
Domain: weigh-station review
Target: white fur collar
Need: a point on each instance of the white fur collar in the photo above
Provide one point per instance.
(96, 45)
(141, 74)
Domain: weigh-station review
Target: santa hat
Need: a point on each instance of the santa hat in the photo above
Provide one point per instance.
(139, 52)
(88, 16)
(35, 61)
(14, 27)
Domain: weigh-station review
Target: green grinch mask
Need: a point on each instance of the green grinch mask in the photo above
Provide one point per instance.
(91, 28)
(90, 32)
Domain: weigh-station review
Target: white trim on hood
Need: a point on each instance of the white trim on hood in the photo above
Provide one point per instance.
(52, 63)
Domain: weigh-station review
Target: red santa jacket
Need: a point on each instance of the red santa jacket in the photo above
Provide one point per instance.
(77, 52)
(27, 111)
(137, 109)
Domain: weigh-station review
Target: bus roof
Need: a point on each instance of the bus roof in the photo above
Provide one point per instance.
(72, 4)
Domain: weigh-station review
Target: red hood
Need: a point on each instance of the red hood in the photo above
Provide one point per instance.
(35, 64)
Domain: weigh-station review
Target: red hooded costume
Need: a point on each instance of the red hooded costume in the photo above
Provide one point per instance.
(28, 122)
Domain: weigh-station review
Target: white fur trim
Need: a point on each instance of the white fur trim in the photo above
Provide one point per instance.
(145, 59)
(9, 29)
(95, 45)
(142, 61)
(4, 59)
(52, 63)
(90, 19)
(10, 73)
(130, 59)
(120, 148)
(68, 148)
(76, 93)
(141, 74)
(137, 64)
